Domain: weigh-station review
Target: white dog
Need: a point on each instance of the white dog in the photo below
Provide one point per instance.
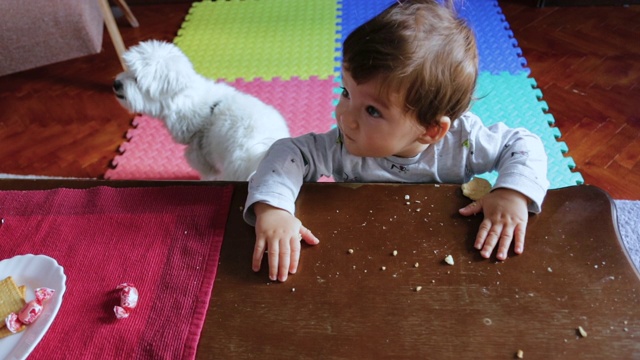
(227, 132)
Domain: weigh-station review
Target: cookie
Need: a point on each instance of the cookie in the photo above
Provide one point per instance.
(11, 301)
(476, 188)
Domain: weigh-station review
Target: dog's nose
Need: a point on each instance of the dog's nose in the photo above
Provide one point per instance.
(117, 86)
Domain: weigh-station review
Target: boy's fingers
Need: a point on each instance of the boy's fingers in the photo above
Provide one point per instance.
(258, 252)
(283, 264)
(505, 241)
(471, 209)
(273, 253)
(490, 242)
(308, 236)
(295, 256)
(521, 229)
(483, 231)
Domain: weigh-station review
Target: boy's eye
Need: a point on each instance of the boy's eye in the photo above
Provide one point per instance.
(373, 111)
(345, 93)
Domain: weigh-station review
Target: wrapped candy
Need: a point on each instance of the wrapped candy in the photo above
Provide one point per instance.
(30, 312)
(121, 313)
(43, 294)
(128, 300)
(13, 323)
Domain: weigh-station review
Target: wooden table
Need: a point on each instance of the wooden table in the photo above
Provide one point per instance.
(366, 304)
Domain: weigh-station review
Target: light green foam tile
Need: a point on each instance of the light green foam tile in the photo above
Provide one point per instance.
(251, 39)
(514, 100)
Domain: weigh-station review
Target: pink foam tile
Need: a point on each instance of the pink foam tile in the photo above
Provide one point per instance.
(307, 105)
(151, 153)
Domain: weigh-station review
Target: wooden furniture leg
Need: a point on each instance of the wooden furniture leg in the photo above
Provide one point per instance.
(112, 28)
(122, 4)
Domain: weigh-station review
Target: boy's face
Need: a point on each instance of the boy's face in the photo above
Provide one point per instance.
(373, 126)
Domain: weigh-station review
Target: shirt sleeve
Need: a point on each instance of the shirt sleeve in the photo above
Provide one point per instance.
(287, 164)
(516, 154)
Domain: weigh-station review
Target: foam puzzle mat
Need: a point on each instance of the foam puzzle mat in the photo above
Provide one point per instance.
(287, 53)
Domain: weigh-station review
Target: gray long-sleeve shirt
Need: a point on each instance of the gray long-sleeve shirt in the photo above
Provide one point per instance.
(469, 148)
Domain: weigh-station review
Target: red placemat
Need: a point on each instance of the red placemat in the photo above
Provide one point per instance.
(165, 240)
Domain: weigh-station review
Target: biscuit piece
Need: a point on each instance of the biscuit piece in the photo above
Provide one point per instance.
(11, 300)
(476, 188)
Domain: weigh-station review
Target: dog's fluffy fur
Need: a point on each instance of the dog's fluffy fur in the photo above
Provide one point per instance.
(227, 132)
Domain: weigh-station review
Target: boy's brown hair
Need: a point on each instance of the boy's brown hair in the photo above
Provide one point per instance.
(421, 51)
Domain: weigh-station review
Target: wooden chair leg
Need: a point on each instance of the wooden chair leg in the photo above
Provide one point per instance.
(112, 28)
(122, 4)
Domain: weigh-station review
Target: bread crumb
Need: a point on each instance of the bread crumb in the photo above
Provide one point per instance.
(416, 265)
(406, 197)
(395, 253)
(520, 354)
(418, 288)
(350, 251)
(449, 260)
(383, 268)
(582, 332)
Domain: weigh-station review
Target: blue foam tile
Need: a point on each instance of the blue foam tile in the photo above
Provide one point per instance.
(355, 13)
(513, 100)
(497, 47)
(498, 50)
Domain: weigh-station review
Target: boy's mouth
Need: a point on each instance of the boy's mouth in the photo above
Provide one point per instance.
(345, 136)
(348, 137)
(344, 133)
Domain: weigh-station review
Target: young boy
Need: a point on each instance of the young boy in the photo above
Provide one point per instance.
(409, 75)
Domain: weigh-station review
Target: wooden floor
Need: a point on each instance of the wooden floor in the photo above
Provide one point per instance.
(62, 119)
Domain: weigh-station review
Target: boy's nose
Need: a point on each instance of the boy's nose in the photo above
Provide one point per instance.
(348, 121)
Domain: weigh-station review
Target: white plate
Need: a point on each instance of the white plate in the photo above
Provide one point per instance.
(34, 271)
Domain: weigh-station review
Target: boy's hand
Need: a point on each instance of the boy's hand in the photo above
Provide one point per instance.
(279, 233)
(505, 218)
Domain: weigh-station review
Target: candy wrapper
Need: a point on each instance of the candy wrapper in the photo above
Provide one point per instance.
(13, 323)
(128, 300)
(30, 312)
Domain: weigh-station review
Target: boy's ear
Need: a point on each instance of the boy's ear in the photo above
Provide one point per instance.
(436, 132)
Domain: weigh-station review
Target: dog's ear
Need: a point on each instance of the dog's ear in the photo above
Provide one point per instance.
(160, 68)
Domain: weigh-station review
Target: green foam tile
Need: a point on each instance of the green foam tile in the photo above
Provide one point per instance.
(249, 39)
(515, 101)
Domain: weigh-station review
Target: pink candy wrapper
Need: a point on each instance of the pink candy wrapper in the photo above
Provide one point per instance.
(121, 313)
(128, 300)
(30, 312)
(13, 323)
